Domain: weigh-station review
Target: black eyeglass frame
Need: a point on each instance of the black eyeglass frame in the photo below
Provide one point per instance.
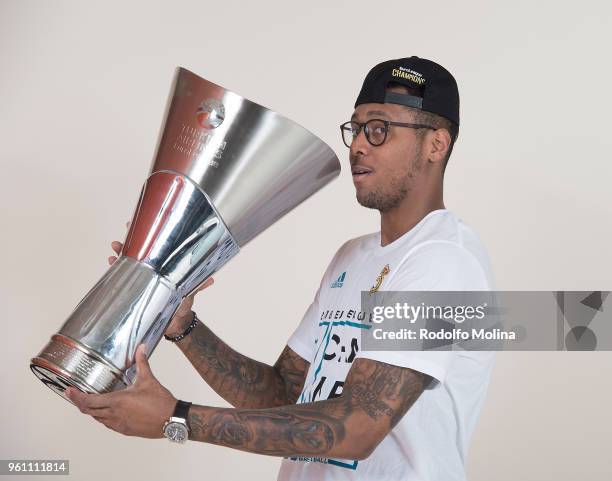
(387, 123)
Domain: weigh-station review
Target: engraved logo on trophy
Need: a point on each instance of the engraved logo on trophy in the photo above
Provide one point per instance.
(210, 114)
(192, 141)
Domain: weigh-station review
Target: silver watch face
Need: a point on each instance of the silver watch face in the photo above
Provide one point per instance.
(176, 432)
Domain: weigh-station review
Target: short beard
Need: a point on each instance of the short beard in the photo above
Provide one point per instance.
(396, 192)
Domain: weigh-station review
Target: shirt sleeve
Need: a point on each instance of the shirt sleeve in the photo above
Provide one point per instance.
(435, 266)
(302, 339)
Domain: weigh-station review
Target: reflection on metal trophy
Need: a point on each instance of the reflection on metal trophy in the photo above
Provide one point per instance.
(225, 169)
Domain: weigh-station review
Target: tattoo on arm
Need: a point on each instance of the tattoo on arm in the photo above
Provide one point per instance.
(375, 397)
(292, 370)
(240, 380)
(276, 432)
(384, 391)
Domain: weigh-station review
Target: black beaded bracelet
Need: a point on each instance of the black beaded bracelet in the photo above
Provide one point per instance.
(190, 328)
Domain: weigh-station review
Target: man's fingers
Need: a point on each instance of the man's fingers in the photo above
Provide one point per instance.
(103, 420)
(88, 401)
(117, 246)
(100, 413)
(209, 282)
(109, 422)
(76, 396)
(143, 370)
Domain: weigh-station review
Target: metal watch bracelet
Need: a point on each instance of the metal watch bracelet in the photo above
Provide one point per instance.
(190, 328)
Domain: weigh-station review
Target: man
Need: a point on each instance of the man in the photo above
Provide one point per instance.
(330, 408)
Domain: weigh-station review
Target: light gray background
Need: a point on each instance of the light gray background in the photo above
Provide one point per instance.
(83, 87)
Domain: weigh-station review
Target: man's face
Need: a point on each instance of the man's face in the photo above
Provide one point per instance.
(384, 175)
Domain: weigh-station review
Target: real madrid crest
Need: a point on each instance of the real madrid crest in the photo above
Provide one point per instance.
(379, 279)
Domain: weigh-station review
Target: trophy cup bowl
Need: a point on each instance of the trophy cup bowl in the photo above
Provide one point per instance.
(224, 170)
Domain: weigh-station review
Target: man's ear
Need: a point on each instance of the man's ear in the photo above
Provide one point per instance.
(438, 143)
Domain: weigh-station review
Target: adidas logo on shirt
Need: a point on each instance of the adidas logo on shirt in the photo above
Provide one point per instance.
(340, 281)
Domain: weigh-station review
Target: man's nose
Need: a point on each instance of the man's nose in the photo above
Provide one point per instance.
(360, 144)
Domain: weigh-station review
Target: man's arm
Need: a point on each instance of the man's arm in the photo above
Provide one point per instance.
(241, 381)
(375, 397)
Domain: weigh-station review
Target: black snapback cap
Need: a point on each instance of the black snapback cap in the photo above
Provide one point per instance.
(438, 87)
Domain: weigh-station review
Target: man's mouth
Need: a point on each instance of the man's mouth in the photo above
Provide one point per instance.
(359, 172)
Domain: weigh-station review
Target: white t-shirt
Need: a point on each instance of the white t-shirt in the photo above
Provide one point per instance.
(430, 442)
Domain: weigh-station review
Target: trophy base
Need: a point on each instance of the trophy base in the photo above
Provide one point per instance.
(64, 362)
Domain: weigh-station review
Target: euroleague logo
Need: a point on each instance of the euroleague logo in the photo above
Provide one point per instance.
(210, 114)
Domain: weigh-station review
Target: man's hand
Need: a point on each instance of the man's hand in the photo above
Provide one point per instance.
(140, 410)
(183, 316)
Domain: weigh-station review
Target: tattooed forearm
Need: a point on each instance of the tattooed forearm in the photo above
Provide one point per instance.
(282, 431)
(241, 381)
(375, 397)
(277, 432)
(383, 390)
(292, 369)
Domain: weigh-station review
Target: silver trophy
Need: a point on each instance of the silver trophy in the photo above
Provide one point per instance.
(225, 169)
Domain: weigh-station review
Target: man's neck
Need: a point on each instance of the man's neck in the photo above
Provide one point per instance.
(396, 222)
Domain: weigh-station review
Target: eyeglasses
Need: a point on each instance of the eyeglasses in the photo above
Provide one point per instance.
(375, 130)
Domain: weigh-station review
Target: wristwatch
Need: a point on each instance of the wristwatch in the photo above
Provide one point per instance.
(175, 428)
